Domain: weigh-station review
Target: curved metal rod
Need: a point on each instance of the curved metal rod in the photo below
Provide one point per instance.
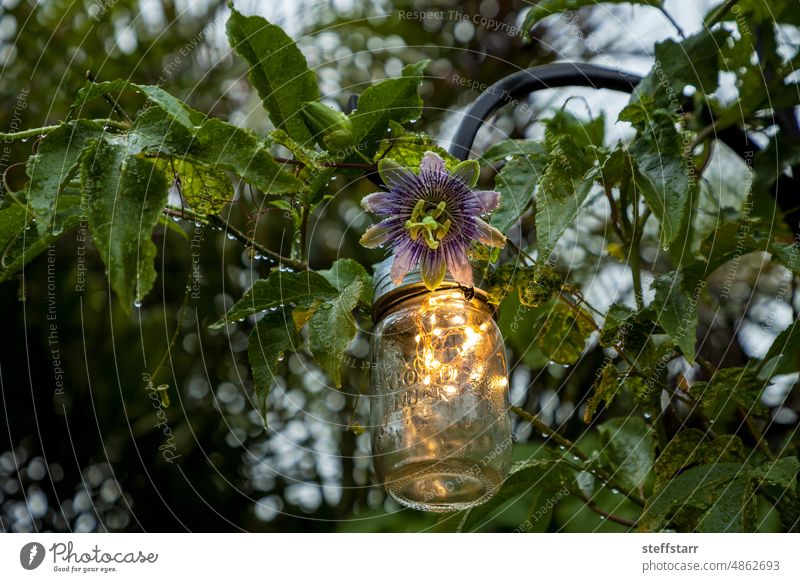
(513, 87)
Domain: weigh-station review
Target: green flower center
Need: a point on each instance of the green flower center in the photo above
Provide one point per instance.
(425, 221)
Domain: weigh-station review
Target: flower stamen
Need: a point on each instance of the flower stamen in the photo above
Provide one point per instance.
(425, 221)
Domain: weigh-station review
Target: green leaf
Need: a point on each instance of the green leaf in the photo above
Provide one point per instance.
(693, 61)
(665, 187)
(537, 284)
(629, 447)
(313, 174)
(787, 255)
(662, 175)
(757, 11)
(544, 8)
(176, 111)
(468, 172)
(20, 244)
(729, 389)
(563, 188)
(785, 351)
(583, 133)
(725, 242)
(537, 479)
(331, 328)
(344, 272)
(562, 334)
(270, 339)
(278, 71)
(54, 165)
(679, 454)
(206, 190)
(781, 472)
(632, 330)
(604, 390)
(407, 148)
(696, 489)
(734, 510)
(614, 326)
(675, 309)
(691, 447)
(518, 324)
(280, 288)
(214, 144)
(516, 183)
(395, 100)
(224, 146)
(512, 147)
(127, 195)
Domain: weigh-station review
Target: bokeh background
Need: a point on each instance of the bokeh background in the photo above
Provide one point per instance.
(82, 445)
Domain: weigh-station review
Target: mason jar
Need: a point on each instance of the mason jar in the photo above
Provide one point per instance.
(439, 422)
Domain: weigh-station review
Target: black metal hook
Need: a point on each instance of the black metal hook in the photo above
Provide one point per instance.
(518, 85)
(521, 84)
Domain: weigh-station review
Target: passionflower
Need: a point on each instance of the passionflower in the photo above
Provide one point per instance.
(431, 218)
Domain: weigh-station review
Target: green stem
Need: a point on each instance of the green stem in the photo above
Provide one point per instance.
(115, 106)
(175, 333)
(303, 254)
(672, 21)
(720, 12)
(615, 216)
(633, 257)
(574, 450)
(28, 133)
(756, 433)
(661, 431)
(42, 131)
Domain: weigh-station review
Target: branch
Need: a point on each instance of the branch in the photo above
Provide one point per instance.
(115, 106)
(605, 514)
(38, 132)
(672, 21)
(633, 257)
(720, 12)
(615, 216)
(187, 214)
(574, 450)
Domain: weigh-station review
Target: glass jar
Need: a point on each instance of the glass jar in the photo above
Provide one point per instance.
(441, 433)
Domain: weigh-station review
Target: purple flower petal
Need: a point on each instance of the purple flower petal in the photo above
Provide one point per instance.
(487, 199)
(488, 235)
(458, 264)
(433, 268)
(406, 257)
(379, 203)
(376, 235)
(431, 162)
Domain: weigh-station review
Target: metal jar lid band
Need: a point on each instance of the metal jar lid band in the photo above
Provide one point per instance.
(388, 293)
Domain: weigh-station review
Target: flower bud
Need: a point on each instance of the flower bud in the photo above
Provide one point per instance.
(333, 128)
